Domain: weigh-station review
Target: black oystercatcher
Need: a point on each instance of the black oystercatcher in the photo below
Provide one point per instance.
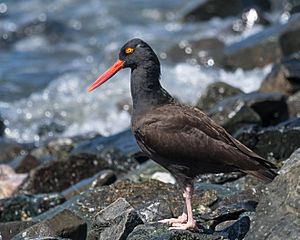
(182, 139)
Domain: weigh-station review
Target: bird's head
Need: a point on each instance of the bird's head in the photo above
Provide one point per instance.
(133, 54)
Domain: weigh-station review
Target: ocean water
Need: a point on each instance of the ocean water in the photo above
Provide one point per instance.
(44, 76)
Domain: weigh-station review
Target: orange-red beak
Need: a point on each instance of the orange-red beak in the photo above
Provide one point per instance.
(107, 74)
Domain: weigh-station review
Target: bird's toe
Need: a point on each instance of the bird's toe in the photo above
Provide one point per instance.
(192, 226)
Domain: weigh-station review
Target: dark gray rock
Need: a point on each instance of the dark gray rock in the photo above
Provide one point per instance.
(204, 10)
(65, 224)
(24, 207)
(265, 47)
(284, 77)
(252, 108)
(277, 142)
(237, 230)
(120, 150)
(115, 222)
(156, 231)
(90, 202)
(214, 93)
(277, 214)
(293, 103)
(10, 149)
(104, 177)
(206, 51)
(10, 229)
(23, 163)
(288, 164)
(2, 127)
(55, 176)
(51, 29)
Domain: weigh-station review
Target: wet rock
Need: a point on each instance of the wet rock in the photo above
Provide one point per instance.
(293, 103)
(206, 51)
(65, 224)
(238, 229)
(57, 175)
(277, 214)
(265, 47)
(249, 18)
(2, 127)
(249, 108)
(23, 207)
(9, 180)
(10, 229)
(115, 221)
(104, 177)
(277, 142)
(51, 29)
(204, 10)
(156, 231)
(284, 77)
(155, 210)
(50, 129)
(214, 93)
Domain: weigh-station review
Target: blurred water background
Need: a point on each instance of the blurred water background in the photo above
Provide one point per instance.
(52, 50)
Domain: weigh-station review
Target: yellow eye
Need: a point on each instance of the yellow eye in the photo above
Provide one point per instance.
(129, 50)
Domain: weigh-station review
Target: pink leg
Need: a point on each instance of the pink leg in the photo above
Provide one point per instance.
(181, 219)
(191, 223)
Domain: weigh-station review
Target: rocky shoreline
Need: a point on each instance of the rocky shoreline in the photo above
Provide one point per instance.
(96, 187)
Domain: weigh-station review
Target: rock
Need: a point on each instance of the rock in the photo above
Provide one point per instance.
(155, 210)
(120, 150)
(249, 18)
(51, 29)
(24, 207)
(90, 202)
(9, 181)
(237, 230)
(157, 231)
(219, 178)
(265, 47)
(49, 129)
(145, 172)
(230, 212)
(24, 163)
(115, 222)
(284, 77)
(251, 108)
(55, 176)
(59, 148)
(10, 229)
(206, 51)
(277, 142)
(204, 10)
(293, 103)
(277, 214)
(65, 224)
(214, 93)
(10, 149)
(290, 162)
(104, 177)
(2, 127)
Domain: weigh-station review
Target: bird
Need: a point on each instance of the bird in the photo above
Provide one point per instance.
(181, 138)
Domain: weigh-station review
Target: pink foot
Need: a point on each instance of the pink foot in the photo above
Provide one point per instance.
(185, 226)
(171, 221)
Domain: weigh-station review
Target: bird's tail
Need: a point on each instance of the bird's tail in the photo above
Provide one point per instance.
(265, 174)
